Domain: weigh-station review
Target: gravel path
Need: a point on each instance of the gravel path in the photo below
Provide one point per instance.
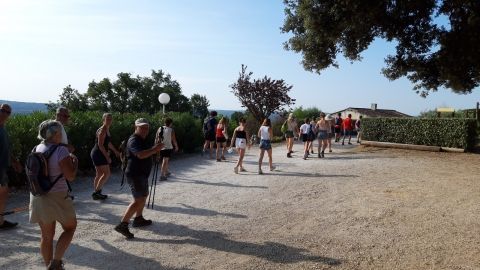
(359, 208)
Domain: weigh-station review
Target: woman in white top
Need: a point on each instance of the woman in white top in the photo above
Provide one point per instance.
(304, 134)
(239, 139)
(266, 134)
(56, 205)
(166, 135)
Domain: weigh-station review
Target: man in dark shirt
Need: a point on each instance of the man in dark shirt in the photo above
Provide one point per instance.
(209, 126)
(5, 161)
(139, 165)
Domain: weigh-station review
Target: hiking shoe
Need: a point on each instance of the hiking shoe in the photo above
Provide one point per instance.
(319, 155)
(289, 155)
(313, 152)
(56, 265)
(235, 170)
(123, 229)
(323, 154)
(8, 225)
(349, 143)
(163, 178)
(141, 222)
(98, 196)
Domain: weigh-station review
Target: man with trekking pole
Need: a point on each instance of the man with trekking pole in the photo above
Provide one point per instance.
(139, 164)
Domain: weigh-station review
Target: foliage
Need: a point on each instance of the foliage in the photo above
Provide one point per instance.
(261, 97)
(469, 113)
(459, 133)
(300, 113)
(23, 129)
(199, 105)
(428, 53)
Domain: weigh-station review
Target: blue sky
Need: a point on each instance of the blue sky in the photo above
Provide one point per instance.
(46, 45)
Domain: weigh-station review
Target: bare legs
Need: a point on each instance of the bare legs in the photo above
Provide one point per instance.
(101, 177)
(3, 200)
(241, 153)
(46, 242)
(208, 145)
(220, 147)
(135, 207)
(270, 160)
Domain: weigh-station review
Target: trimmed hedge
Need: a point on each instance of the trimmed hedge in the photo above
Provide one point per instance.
(23, 130)
(458, 133)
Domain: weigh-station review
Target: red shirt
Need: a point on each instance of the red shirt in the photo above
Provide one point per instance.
(347, 123)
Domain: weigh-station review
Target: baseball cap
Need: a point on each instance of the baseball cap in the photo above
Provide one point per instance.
(141, 122)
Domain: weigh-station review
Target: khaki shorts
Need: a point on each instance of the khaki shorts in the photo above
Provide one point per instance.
(53, 206)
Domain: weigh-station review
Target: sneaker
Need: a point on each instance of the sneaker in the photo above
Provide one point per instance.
(97, 196)
(323, 154)
(8, 225)
(242, 169)
(235, 170)
(349, 143)
(56, 265)
(223, 158)
(330, 150)
(289, 155)
(319, 155)
(163, 178)
(313, 152)
(123, 229)
(103, 195)
(141, 222)
(260, 171)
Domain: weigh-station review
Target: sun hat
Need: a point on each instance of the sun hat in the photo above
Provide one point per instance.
(141, 122)
(328, 117)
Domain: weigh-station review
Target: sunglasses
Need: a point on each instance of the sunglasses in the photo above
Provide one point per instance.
(5, 111)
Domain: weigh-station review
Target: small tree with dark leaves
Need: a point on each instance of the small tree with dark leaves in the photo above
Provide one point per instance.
(262, 97)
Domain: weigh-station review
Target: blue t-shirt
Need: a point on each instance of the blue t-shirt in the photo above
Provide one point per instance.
(4, 149)
(137, 166)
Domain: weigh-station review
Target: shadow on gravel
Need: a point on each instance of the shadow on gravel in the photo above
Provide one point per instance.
(302, 174)
(190, 210)
(221, 184)
(271, 251)
(335, 157)
(101, 259)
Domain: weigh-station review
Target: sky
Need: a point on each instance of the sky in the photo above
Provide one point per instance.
(49, 44)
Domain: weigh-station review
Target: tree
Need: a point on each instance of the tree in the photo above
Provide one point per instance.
(199, 105)
(261, 97)
(71, 99)
(301, 113)
(429, 54)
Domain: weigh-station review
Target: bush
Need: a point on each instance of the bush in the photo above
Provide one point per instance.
(458, 133)
(23, 129)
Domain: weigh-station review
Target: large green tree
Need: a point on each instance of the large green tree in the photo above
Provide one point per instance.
(437, 40)
(262, 97)
(199, 105)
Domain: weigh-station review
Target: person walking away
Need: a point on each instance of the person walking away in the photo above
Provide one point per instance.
(292, 128)
(312, 134)
(323, 126)
(304, 134)
(6, 159)
(56, 205)
(347, 129)
(209, 133)
(139, 165)
(331, 131)
(166, 135)
(338, 127)
(101, 156)
(265, 134)
(239, 139)
(358, 128)
(221, 137)
(63, 116)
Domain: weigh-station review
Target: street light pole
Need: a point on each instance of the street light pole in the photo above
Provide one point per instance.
(164, 98)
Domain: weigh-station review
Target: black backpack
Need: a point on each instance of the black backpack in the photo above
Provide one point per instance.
(36, 168)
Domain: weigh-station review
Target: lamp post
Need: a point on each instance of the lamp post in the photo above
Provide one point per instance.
(164, 98)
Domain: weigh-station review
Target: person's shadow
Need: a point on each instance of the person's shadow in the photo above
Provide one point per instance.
(190, 210)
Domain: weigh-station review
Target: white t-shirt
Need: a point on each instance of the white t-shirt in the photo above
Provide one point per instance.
(167, 138)
(264, 134)
(54, 165)
(305, 128)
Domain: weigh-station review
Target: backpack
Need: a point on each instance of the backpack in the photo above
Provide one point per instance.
(36, 168)
(311, 133)
(160, 134)
(284, 127)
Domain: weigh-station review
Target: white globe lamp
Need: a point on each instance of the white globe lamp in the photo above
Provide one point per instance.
(164, 98)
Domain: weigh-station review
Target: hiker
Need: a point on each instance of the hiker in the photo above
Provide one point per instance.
(338, 127)
(331, 131)
(139, 164)
(292, 128)
(101, 156)
(347, 129)
(6, 159)
(63, 116)
(313, 134)
(239, 139)
(166, 135)
(358, 129)
(323, 126)
(305, 131)
(56, 205)
(209, 125)
(265, 134)
(221, 137)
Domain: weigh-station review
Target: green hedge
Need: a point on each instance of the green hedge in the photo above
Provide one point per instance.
(23, 129)
(458, 133)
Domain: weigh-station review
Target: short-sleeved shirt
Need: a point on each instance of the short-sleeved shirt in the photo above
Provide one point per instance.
(305, 128)
(54, 169)
(135, 165)
(4, 149)
(347, 123)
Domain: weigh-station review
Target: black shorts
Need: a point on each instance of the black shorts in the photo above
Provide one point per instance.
(166, 153)
(337, 129)
(138, 186)
(210, 137)
(221, 140)
(98, 158)
(304, 137)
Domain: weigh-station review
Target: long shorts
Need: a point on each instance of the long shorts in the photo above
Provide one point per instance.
(265, 144)
(138, 186)
(241, 143)
(166, 153)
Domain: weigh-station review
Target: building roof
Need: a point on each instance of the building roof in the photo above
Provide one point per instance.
(376, 113)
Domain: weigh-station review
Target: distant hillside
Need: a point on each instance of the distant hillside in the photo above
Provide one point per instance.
(25, 107)
(228, 113)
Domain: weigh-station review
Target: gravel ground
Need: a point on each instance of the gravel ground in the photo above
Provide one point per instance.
(358, 208)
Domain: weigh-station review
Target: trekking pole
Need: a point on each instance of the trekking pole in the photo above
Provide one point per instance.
(151, 194)
(154, 191)
(15, 210)
(151, 186)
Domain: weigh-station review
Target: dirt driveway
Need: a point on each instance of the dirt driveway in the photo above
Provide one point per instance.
(358, 208)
